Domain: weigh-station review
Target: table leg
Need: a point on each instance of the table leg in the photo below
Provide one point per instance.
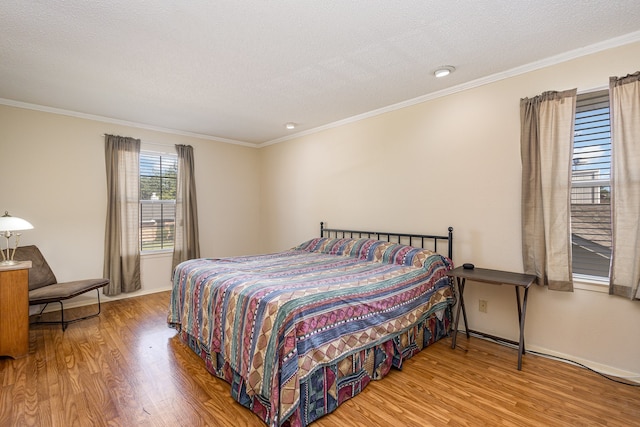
(460, 283)
(521, 312)
(464, 311)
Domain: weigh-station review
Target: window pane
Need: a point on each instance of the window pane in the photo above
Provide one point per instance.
(158, 177)
(591, 191)
(591, 230)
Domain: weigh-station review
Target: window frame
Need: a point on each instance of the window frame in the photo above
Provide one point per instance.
(597, 182)
(164, 246)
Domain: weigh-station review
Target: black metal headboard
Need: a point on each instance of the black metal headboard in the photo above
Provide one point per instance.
(392, 237)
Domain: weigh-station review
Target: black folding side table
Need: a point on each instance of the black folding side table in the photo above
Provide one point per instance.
(494, 277)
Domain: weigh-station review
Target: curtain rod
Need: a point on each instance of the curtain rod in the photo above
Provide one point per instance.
(159, 144)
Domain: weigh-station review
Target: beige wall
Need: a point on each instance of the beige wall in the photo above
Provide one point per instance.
(450, 161)
(453, 161)
(53, 175)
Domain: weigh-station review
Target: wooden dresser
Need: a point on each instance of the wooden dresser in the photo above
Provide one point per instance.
(14, 309)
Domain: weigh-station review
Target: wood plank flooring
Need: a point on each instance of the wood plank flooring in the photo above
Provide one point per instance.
(127, 368)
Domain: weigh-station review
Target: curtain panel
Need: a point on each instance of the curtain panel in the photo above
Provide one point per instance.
(187, 241)
(546, 144)
(624, 96)
(122, 230)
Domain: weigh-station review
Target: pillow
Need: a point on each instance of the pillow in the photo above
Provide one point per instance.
(369, 250)
(393, 253)
(325, 245)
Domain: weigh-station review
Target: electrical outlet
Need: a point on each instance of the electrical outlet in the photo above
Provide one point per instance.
(482, 306)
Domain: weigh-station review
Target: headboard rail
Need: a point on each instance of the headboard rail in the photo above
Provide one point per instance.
(403, 238)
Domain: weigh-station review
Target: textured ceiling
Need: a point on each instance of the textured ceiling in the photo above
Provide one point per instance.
(239, 70)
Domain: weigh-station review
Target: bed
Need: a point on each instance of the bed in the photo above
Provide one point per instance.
(296, 333)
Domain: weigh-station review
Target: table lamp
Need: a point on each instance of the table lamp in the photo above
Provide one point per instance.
(8, 225)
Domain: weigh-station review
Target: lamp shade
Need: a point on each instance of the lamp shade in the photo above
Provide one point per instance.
(12, 223)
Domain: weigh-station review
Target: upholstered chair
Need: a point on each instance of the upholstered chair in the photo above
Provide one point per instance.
(45, 289)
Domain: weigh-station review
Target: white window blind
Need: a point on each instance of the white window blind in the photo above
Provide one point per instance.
(158, 178)
(590, 186)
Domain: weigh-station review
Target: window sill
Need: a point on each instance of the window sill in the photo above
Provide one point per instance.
(587, 283)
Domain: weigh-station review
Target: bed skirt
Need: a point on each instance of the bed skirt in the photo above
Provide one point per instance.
(328, 386)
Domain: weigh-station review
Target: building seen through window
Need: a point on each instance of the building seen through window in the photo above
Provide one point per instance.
(158, 179)
(591, 186)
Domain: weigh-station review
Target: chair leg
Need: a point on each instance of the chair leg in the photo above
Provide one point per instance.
(64, 326)
(62, 321)
(45, 306)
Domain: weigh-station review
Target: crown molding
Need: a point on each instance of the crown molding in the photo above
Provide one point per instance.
(547, 62)
(53, 110)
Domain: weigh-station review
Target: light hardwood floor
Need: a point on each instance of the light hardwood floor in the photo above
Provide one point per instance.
(127, 368)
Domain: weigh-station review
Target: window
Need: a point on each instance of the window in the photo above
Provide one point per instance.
(158, 178)
(590, 186)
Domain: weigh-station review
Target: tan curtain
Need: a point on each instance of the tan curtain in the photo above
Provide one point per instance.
(546, 138)
(187, 242)
(625, 185)
(122, 231)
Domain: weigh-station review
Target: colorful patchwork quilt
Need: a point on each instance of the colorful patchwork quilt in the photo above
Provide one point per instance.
(284, 327)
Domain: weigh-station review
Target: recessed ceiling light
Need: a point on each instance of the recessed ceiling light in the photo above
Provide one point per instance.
(444, 71)
(290, 125)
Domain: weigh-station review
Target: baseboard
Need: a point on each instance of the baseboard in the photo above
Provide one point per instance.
(85, 300)
(598, 367)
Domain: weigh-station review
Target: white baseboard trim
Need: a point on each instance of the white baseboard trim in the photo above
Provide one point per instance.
(90, 298)
(598, 367)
